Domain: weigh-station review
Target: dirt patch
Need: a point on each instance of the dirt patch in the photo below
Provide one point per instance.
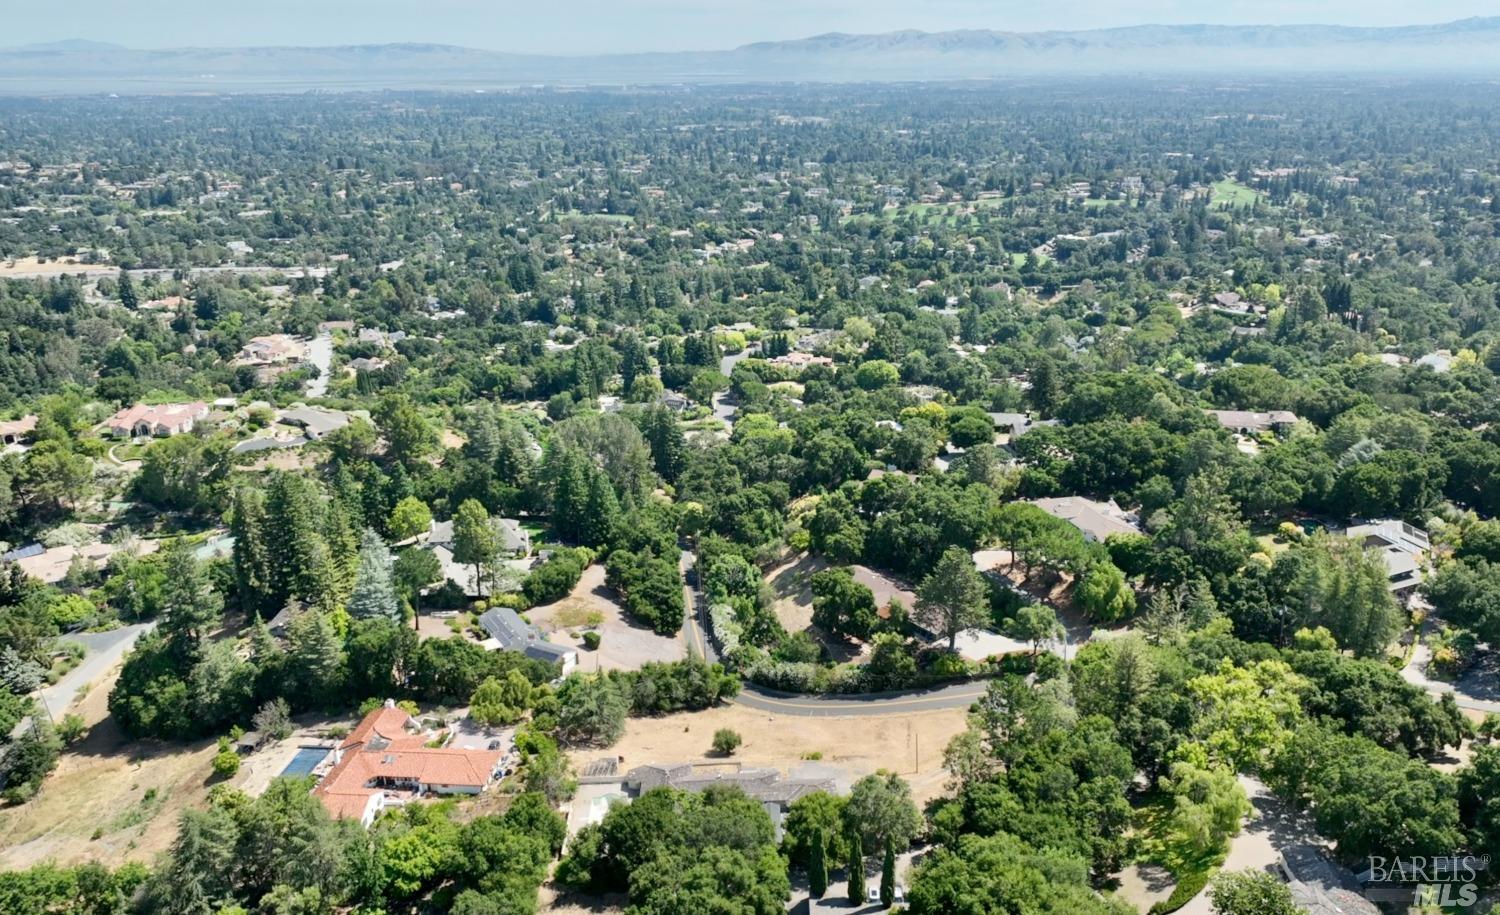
(792, 582)
(850, 748)
(130, 792)
(623, 645)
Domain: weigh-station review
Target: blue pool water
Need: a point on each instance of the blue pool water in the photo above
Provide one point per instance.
(304, 762)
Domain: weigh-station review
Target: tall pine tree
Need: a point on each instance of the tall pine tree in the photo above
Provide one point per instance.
(374, 594)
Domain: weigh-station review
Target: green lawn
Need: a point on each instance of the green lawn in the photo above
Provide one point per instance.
(1158, 843)
(1230, 193)
(1099, 203)
(1017, 258)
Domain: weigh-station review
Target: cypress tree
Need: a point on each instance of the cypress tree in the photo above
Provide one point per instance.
(888, 875)
(817, 865)
(601, 513)
(856, 869)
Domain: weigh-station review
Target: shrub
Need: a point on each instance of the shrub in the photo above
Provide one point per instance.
(553, 579)
(226, 761)
(726, 741)
(71, 727)
(591, 641)
(1183, 892)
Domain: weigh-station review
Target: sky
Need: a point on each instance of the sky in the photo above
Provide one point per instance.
(596, 26)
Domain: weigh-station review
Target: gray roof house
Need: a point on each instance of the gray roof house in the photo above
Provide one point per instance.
(1249, 422)
(767, 786)
(509, 632)
(1097, 520)
(315, 421)
(1403, 547)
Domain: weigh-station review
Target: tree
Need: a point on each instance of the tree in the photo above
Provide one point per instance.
(1207, 804)
(1337, 584)
(880, 809)
(841, 605)
(856, 869)
(888, 876)
(1037, 624)
(190, 605)
(1104, 594)
(415, 569)
(726, 741)
(500, 701)
(127, 293)
(952, 598)
(374, 594)
(1251, 892)
(591, 711)
(410, 517)
(407, 433)
(475, 540)
(1246, 713)
(817, 867)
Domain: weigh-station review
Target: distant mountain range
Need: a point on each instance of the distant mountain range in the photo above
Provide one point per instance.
(1469, 46)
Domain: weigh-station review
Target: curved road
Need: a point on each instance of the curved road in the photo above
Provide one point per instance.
(695, 634)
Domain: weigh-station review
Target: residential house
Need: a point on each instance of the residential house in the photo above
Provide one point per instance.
(1321, 887)
(17, 431)
(1249, 422)
(386, 762)
(767, 786)
(508, 632)
(1096, 520)
(1403, 547)
(272, 349)
(158, 419)
(800, 360)
(675, 401)
(315, 421)
(515, 542)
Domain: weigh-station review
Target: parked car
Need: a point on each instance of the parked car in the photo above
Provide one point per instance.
(872, 894)
(900, 895)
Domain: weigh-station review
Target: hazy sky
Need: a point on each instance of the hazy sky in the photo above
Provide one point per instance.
(588, 26)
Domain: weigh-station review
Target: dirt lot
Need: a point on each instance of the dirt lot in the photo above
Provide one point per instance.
(792, 582)
(623, 645)
(105, 783)
(911, 745)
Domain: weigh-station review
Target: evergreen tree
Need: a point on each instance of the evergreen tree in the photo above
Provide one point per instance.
(128, 296)
(374, 595)
(856, 868)
(667, 444)
(817, 865)
(315, 659)
(254, 587)
(344, 545)
(570, 495)
(190, 605)
(601, 513)
(888, 875)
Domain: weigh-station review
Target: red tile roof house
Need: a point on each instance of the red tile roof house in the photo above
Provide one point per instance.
(162, 419)
(385, 762)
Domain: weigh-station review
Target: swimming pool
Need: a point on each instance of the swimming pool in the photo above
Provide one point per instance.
(304, 762)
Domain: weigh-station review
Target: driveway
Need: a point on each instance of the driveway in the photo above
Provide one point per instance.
(1477, 690)
(624, 644)
(1258, 846)
(320, 354)
(105, 649)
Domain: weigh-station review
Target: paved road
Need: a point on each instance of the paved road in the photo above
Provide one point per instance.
(105, 649)
(695, 634)
(959, 695)
(1475, 691)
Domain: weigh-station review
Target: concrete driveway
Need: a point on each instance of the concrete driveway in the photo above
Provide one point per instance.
(1258, 846)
